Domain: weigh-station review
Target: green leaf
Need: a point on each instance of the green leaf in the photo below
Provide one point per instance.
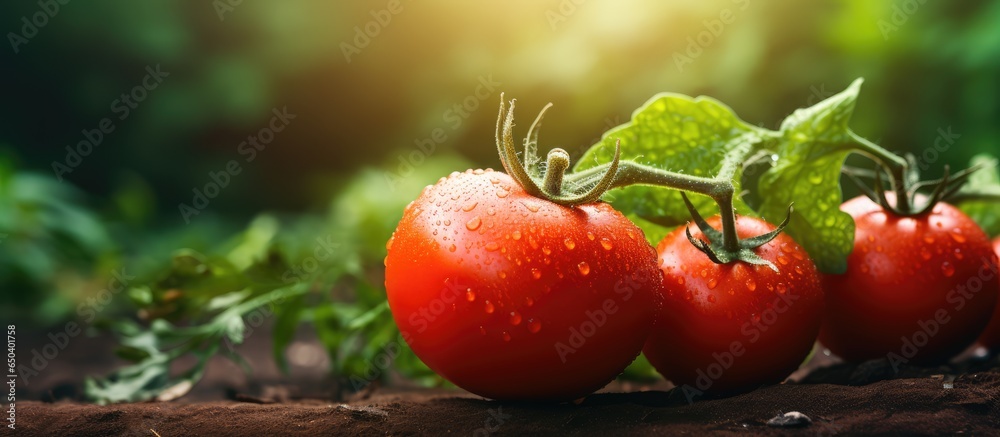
(678, 133)
(985, 181)
(814, 143)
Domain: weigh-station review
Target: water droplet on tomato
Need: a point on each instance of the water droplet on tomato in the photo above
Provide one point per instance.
(502, 193)
(864, 268)
(711, 298)
(388, 244)
(591, 236)
(751, 285)
(680, 281)
(492, 246)
(470, 295)
(474, 224)
(786, 248)
(570, 244)
(879, 248)
(798, 269)
(703, 273)
(871, 238)
(516, 235)
(606, 244)
(482, 330)
(470, 206)
(782, 288)
(584, 268)
(452, 248)
(529, 302)
(712, 283)
(546, 250)
(502, 275)
(535, 273)
(489, 307)
(929, 239)
(534, 326)
(630, 234)
(783, 260)
(956, 234)
(958, 254)
(947, 269)
(515, 318)
(506, 336)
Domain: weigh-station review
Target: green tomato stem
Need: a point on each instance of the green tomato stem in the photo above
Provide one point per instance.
(893, 164)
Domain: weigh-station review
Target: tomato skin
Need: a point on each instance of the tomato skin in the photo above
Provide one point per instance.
(734, 327)
(906, 276)
(991, 335)
(486, 282)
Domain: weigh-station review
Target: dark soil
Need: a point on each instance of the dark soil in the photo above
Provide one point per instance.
(920, 403)
(870, 398)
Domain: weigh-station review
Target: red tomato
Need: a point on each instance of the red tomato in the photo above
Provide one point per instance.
(914, 289)
(991, 335)
(734, 327)
(513, 297)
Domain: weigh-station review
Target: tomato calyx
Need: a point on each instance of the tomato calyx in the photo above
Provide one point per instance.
(904, 181)
(906, 200)
(715, 248)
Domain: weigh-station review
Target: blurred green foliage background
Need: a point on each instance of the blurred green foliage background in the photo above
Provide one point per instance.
(365, 103)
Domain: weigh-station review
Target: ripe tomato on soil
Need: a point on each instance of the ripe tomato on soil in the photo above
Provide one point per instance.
(733, 327)
(991, 335)
(516, 298)
(914, 288)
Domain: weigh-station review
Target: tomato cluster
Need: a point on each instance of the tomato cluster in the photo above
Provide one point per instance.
(519, 287)
(513, 297)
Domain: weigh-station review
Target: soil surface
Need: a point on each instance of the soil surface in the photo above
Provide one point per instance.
(838, 399)
(870, 398)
